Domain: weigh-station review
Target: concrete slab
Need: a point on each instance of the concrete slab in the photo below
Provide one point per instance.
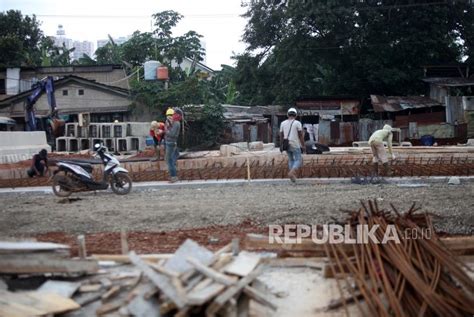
(19, 146)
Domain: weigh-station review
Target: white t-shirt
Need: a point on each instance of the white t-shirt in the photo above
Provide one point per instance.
(293, 135)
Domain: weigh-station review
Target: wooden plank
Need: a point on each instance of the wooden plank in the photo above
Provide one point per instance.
(228, 294)
(213, 274)
(161, 281)
(34, 304)
(458, 245)
(162, 270)
(189, 248)
(30, 246)
(108, 308)
(243, 264)
(88, 288)
(42, 263)
(125, 258)
(113, 291)
(200, 296)
(141, 307)
(65, 289)
(259, 297)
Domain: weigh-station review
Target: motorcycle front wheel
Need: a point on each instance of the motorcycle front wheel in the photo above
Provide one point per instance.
(121, 183)
(60, 182)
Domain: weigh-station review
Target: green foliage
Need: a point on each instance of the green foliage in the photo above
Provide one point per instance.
(110, 53)
(212, 122)
(20, 38)
(311, 48)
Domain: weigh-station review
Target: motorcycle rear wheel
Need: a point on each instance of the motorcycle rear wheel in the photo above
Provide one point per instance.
(58, 189)
(121, 183)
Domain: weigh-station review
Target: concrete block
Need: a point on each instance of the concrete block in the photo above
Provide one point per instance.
(119, 130)
(95, 141)
(109, 144)
(137, 143)
(242, 146)
(71, 130)
(229, 150)
(84, 144)
(17, 146)
(94, 130)
(73, 145)
(123, 144)
(106, 130)
(138, 128)
(256, 146)
(360, 144)
(62, 144)
(268, 146)
(82, 132)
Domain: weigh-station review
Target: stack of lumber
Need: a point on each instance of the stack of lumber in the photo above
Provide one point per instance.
(191, 281)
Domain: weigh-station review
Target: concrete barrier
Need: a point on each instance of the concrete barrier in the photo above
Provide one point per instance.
(20, 146)
(138, 129)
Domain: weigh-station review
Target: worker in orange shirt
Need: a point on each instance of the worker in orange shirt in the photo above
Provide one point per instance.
(157, 132)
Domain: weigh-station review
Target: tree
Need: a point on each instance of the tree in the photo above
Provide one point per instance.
(20, 38)
(312, 48)
(110, 53)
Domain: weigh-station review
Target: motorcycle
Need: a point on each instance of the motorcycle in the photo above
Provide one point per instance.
(77, 177)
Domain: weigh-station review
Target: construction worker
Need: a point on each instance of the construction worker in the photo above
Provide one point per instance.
(292, 131)
(157, 132)
(39, 164)
(169, 115)
(378, 150)
(173, 127)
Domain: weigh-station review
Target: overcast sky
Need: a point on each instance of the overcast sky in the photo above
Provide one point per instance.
(218, 21)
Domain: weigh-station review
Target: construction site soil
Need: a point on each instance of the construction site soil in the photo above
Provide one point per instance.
(159, 220)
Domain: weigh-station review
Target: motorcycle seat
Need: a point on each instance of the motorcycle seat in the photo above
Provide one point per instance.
(86, 166)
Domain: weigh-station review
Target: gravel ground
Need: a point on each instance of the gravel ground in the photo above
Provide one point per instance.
(181, 208)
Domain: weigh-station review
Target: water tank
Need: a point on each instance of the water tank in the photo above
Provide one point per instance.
(151, 69)
(162, 73)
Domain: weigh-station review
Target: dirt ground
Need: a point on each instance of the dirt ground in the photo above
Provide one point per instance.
(157, 210)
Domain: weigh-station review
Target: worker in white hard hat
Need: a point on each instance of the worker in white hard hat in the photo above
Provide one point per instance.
(291, 141)
(376, 142)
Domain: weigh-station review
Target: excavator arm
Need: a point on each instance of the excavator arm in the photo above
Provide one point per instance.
(44, 86)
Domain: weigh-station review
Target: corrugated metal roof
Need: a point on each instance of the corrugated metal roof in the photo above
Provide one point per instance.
(450, 81)
(400, 103)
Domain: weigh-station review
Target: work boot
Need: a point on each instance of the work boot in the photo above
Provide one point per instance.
(157, 153)
(173, 179)
(375, 172)
(292, 175)
(386, 170)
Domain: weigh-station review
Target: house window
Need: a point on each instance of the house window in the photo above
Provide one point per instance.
(80, 92)
(65, 92)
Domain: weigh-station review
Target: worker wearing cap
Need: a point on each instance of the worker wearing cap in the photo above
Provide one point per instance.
(169, 115)
(173, 128)
(378, 150)
(292, 130)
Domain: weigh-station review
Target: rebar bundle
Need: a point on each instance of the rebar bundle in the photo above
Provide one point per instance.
(416, 277)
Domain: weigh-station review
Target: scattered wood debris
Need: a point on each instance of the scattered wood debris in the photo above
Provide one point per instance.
(194, 281)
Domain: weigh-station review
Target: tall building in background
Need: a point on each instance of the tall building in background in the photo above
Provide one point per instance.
(118, 40)
(81, 48)
(61, 38)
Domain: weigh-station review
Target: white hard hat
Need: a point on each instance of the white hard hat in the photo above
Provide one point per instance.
(292, 111)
